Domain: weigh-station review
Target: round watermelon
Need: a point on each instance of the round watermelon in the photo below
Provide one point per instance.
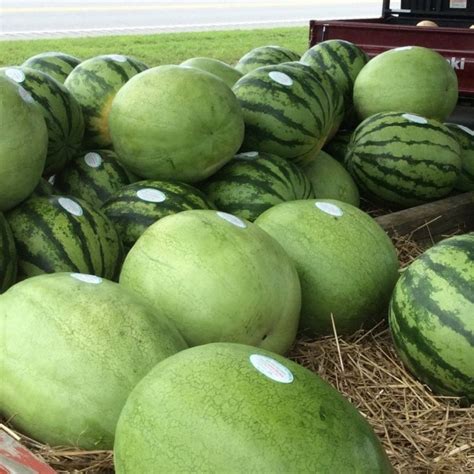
(408, 79)
(346, 263)
(233, 408)
(176, 123)
(56, 64)
(465, 137)
(222, 70)
(93, 176)
(8, 258)
(23, 144)
(265, 56)
(73, 347)
(62, 233)
(432, 317)
(62, 114)
(218, 277)
(94, 83)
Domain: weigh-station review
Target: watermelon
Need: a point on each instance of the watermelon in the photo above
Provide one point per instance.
(287, 112)
(342, 60)
(137, 206)
(346, 263)
(218, 277)
(62, 233)
(253, 182)
(8, 257)
(412, 79)
(94, 84)
(222, 70)
(234, 408)
(176, 123)
(93, 176)
(403, 159)
(465, 138)
(73, 347)
(265, 56)
(57, 65)
(331, 180)
(431, 317)
(337, 146)
(62, 114)
(23, 144)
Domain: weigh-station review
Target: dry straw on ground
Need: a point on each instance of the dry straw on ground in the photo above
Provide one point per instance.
(420, 432)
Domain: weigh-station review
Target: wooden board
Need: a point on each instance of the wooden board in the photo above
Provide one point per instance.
(432, 221)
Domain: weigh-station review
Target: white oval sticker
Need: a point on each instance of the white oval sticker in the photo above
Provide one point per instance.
(94, 160)
(466, 129)
(415, 118)
(71, 206)
(25, 95)
(232, 219)
(281, 78)
(151, 195)
(95, 280)
(271, 368)
(250, 155)
(329, 208)
(118, 57)
(16, 75)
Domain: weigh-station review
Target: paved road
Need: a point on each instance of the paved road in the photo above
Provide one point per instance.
(34, 18)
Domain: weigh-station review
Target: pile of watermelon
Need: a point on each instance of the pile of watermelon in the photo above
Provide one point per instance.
(166, 232)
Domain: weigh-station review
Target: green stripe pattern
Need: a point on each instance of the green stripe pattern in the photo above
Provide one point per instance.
(94, 83)
(8, 257)
(465, 138)
(61, 111)
(93, 176)
(342, 59)
(265, 56)
(432, 317)
(403, 159)
(137, 206)
(56, 64)
(287, 112)
(64, 234)
(253, 182)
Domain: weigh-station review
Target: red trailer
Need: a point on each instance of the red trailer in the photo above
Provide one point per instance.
(453, 38)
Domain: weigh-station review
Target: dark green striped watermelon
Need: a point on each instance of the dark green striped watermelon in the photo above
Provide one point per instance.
(93, 176)
(287, 112)
(403, 159)
(265, 56)
(432, 317)
(337, 146)
(8, 257)
(57, 65)
(342, 59)
(253, 182)
(137, 206)
(465, 138)
(64, 234)
(94, 84)
(61, 111)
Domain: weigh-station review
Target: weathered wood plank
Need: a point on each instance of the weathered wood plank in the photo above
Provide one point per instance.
(432, 220)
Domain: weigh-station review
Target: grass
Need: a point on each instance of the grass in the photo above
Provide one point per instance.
(164, 48)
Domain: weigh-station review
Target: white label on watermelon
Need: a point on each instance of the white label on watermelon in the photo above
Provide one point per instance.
(329, 208)
(95, 280)
(250, 155)
(25, 95)
(467, 130)
(271, 368)
(151, 195)
(232, 219)
(403, 48)
(415, 118)
(94, 160)
(281, 78)
(118, 57)
(16, 75)
(71, 206)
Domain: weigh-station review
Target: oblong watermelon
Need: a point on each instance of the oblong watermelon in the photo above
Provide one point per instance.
(432, 317)
(465, 137)
(265, 56)
(220, 69)
(56, 64)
